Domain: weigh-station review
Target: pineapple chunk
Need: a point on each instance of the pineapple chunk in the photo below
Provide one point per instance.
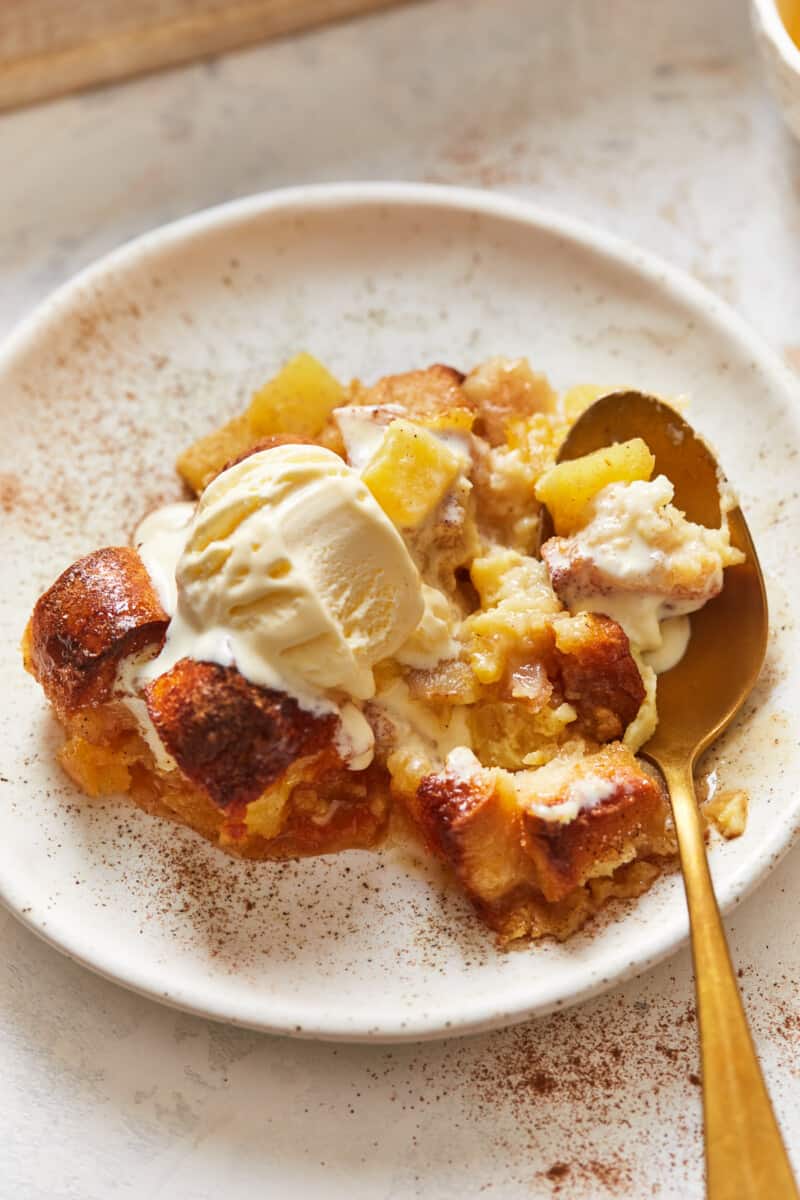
(298, 400)
(568, 488)
(577, 399)
(459, 420)
(97, 770)
(410, 472)
(505, 575)
(266, 816)
(728, 812)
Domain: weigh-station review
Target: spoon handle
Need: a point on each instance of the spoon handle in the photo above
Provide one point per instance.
(745, 1155)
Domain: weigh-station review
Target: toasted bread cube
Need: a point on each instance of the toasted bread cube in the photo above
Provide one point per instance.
(410, 472)
(598, 674)
(421, 394)
(298, 400)
(229, 737)
(603, 836)
(568, 488)
(501, 834)
(505, 391)
(100, 610)
(206, 457)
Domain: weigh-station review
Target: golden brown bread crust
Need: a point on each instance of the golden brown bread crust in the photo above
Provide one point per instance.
(316, 807)
(597, 674)
(229, 737)
(566, 855)
(100, 610)
(425, 393)
(512, 862)
(470, 824)
(502, 391)
(584, 660)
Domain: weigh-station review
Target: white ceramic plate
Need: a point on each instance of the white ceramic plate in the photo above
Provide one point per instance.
(165, 338)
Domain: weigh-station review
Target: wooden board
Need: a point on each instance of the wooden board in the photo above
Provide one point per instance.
(48, 47)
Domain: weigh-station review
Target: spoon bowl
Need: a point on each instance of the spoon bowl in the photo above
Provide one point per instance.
(697, 699)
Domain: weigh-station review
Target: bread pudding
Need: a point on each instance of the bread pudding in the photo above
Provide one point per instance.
(355, 630)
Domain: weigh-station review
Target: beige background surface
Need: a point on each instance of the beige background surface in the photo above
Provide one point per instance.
(650, 120)
(51, 47)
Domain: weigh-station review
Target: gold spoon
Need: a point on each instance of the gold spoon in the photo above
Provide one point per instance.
(697, 699)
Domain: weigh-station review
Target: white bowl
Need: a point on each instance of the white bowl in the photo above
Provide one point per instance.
(115, 374)
(781, 58)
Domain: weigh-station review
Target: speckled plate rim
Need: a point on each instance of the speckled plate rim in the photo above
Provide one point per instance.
(483, 1013)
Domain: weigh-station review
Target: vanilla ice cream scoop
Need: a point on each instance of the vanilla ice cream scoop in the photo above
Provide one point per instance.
(292, 571)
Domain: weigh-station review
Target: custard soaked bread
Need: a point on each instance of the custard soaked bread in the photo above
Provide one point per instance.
(357, 620)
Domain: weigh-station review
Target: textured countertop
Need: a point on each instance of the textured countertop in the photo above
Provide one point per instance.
(651, 120)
